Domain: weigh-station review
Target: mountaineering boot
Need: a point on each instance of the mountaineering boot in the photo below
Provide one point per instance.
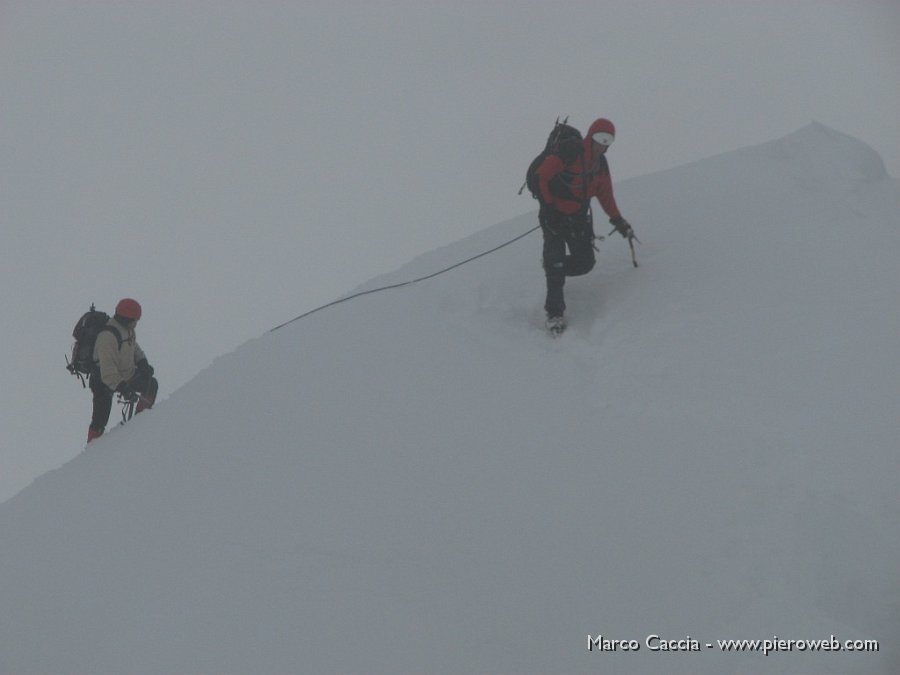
(555, 324)
(94, 433)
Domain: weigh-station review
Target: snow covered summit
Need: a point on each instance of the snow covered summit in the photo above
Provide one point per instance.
(419, 480)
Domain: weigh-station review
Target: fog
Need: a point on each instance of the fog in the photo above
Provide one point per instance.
(233, 164)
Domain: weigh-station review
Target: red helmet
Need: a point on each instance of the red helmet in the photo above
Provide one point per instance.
(129, 309)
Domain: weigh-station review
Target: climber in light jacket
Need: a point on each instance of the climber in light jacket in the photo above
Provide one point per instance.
(120, 367)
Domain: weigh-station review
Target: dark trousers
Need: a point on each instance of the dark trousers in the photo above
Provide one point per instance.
(575, 233)
(143, 383)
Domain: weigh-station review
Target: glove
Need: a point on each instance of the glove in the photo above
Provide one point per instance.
(144, 367)
(622, 227)
(125, 389)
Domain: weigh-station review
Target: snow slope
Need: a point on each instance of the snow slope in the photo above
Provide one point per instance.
(420, 480)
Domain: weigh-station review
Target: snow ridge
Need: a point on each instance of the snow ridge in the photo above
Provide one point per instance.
(421, 481)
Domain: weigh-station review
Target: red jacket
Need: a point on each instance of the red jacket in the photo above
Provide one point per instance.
(575, 184)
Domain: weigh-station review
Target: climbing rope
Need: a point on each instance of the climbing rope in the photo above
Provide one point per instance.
(405, 283)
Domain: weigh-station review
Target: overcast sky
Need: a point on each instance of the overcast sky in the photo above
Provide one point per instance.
(233, 164)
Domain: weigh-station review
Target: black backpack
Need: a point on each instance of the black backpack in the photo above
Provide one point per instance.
(89, 326)
(564, 141)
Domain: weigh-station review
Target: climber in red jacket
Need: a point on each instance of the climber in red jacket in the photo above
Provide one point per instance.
(566, 190)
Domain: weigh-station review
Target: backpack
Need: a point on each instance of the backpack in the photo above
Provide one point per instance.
(564, 141)
(89, 326)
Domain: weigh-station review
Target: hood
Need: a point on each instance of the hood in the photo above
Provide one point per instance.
(599, 124)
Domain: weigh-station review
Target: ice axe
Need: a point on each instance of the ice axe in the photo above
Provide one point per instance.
(631, 239)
